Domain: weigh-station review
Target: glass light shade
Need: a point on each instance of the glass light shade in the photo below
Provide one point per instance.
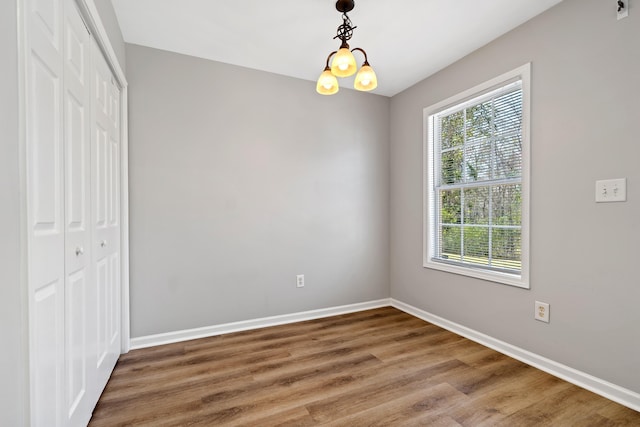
(327, 83)
(344, 63)
(366, 79)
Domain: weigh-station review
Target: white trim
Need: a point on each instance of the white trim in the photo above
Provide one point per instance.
(519, 280)
(599, 386)
(125, 326)
(92, 17)
(225, 328)
(25, 390)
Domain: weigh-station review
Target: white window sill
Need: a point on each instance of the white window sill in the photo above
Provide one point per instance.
(517, 280)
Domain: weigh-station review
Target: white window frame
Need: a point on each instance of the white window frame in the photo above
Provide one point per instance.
(430, 204)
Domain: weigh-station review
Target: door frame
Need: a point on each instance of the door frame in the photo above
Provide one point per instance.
(91, 17)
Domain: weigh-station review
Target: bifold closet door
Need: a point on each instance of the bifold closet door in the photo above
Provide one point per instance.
(80, 292)
(45, 207)
(105, 213)
(72, 127)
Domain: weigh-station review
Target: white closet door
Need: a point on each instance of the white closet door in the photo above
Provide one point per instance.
(80, 299)
(105, 213)
(45, 208)
(72, 134)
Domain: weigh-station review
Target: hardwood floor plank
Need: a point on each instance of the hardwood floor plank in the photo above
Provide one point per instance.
(567, 406)
(509, 394)
(594, 420)
(427, 406)
(296, 417)
(378, 367)
(387, 387)
(620, 415)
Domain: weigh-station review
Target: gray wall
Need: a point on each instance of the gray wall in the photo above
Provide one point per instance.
(585, 113)
(111, 26)
(13, 355)
(241, 179)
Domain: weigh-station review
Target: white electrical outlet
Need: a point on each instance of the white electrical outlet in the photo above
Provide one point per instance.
(611, 190)
(541, 311)
(300, 281)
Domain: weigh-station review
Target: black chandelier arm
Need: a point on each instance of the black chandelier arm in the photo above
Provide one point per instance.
(327, 67)
(366, 61)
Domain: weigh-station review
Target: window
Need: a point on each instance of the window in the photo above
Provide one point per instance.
(476, 177)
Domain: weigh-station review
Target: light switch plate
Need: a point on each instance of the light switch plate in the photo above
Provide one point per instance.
(611, 190)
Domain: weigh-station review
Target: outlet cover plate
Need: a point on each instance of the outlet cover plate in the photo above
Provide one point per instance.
(542, 312)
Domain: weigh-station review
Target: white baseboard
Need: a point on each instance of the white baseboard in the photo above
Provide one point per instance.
(225, 328)
(606, 389)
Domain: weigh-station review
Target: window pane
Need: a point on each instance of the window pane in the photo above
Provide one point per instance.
(506, 248)
(478, 161)
(507, 204)
(508, 157)
(452, 130)
(479, 121)
(476, 205)
(450, 206)
(450, 243)
(508, 113)
(476, 245)
(452, 167)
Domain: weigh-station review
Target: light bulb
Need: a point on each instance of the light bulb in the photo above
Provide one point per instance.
(327, 83)
(366, 79)
(344, 63)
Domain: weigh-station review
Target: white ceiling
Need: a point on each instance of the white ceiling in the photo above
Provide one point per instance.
(405, 41)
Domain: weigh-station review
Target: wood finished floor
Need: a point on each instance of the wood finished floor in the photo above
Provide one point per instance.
(378, 367)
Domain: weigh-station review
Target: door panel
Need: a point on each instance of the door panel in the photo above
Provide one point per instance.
(76, 150)
(47, 16)
(100, 175)
(113, 329)
(47, 351)
(46, 150)
(114, 193)
(45, 208)
(102, 287)
(80, 398)
(105, 214)
(77, 355)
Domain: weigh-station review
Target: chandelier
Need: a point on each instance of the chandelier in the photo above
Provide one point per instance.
(344, 63)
